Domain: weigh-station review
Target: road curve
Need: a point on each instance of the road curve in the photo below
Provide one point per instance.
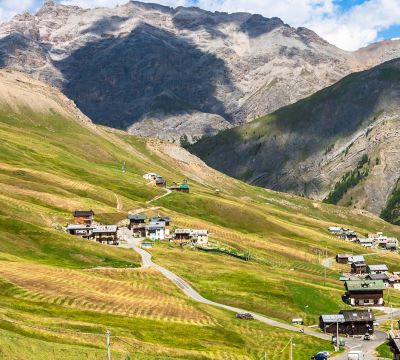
(134, 244)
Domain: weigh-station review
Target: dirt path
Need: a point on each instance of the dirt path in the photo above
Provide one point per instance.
(168, 191)
(119, 203)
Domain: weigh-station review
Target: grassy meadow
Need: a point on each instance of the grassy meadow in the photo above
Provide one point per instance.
(59, 294)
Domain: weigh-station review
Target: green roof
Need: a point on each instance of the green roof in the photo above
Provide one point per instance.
(364, 285)
(184, 186)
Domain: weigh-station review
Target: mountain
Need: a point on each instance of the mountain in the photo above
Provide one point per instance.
(341, 144)
(169, 72)
(59, 294)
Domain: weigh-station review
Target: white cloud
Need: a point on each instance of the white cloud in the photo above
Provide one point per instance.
(9, 8)
(349, 30)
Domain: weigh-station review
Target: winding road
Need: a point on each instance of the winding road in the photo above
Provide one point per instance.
(134, 244)
(368, 347)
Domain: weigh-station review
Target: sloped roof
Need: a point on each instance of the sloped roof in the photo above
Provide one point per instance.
(105, 229)
(329, 319)
(357, 315)
(364, 285)
(377, 276)
(79, 213)
(356, 258)
(379, 267)
(137, 217)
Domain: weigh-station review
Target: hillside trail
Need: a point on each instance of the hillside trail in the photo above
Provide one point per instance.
(158, 197)
(119, 203)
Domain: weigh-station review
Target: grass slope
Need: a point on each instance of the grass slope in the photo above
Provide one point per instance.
(59, 294)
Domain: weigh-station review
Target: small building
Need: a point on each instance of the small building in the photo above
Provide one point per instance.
(394, 340)
(151, 176)
(166, 220)
(183, 235)
(184, 187)
(366, 242)
(137, 224)
(390, 246)
(358, 268)
(349, 322)
(394, 281)
(160, 182)
(356, 258)
(351, 235)
(83, 217)
(342, 258)
(377, 269)
(84, 231)
(106, 234)
(335, 229)
(200, 237)
(156, 230)
(364, 293)
(146, 245)
(382, 276)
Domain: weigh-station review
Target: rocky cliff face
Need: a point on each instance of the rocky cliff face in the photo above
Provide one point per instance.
(340, 144)
(220, 69)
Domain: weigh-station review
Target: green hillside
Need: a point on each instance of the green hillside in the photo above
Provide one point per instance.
(59, 294)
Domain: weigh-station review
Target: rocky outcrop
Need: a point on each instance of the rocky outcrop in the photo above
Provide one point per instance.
(115, 63)
(307, 148)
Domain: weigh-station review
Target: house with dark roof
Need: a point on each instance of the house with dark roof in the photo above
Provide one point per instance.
(342, 258)
(156, 230)
(83, 217)
(349, 322)
(137, 224)
(359, 267)
(364, 293)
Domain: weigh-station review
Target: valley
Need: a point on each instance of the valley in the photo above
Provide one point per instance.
(60, 293)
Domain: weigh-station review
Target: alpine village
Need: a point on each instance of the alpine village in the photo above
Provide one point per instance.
(200, 180)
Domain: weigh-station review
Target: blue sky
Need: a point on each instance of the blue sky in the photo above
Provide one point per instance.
(349, 24)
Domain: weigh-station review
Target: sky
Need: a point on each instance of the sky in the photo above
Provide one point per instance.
(348, 24)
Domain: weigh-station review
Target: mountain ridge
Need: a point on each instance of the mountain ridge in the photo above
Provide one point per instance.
(236, 66)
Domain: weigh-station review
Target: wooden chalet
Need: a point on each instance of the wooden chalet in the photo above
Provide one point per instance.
(137, 224)
(160, 182)
(366, 242)
(184, 187)
(349, 322)
(358, 267)
(106, 234)
(342, 258)
(394, 281)
(83, 217)
(183, 235)
(364, 293)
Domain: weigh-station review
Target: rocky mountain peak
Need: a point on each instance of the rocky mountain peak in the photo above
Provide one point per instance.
(115, 62)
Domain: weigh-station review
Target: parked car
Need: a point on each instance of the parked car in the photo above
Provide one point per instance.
(319, 356)
(244, 316)
(367, 336)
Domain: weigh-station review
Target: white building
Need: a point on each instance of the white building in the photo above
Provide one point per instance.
(155, 230)
(200, 237)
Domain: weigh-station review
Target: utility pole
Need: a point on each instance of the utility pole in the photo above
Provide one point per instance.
(291, 349)
(337, 334)
(108, 334)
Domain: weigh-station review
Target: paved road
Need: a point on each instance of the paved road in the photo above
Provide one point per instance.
(352, 343)
(134, 244)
